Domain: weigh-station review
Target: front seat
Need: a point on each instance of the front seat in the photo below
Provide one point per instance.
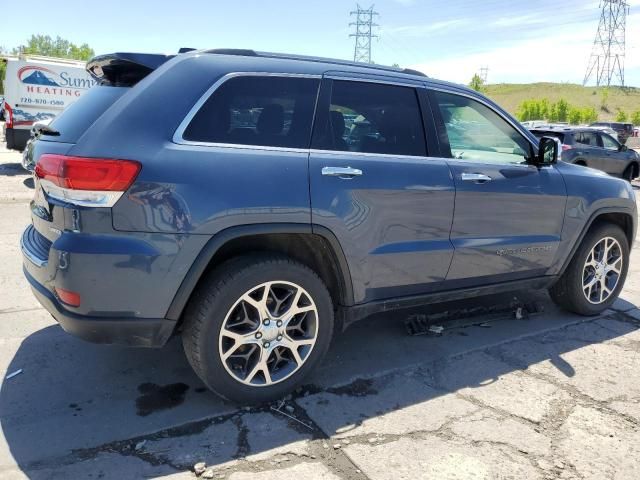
(270, 124)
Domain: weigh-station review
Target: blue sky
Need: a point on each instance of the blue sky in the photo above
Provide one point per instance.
(446, 39)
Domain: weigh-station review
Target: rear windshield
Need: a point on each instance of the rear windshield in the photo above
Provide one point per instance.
(80, 115)
(541, 133)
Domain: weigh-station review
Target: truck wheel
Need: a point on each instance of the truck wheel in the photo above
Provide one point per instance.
(594, 278)
(256, 327)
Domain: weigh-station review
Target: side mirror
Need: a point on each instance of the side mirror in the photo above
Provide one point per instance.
(548, 151)
(623, 148)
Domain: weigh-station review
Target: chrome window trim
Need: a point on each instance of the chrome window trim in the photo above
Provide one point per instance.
(368, 154)
(399, 83)
(178, 136)
(452, 91)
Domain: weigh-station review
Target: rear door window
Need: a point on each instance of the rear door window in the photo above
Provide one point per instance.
(369, 117)
(587, 138)
(257, 110)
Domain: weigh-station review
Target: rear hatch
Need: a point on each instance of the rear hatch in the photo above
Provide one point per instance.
(68, 187)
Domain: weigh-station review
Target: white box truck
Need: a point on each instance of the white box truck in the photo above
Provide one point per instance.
(38, 88)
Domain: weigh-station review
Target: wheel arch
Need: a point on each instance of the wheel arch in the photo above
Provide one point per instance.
(316, 248)
(621, 217)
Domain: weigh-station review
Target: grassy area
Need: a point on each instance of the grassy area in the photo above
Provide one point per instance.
(510, 96)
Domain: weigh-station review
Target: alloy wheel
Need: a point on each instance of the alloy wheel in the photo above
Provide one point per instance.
(602, 270)
(268, 333)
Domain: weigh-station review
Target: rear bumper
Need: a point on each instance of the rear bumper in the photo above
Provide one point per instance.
(134, 332)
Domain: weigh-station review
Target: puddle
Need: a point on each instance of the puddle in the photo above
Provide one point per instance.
(159, 397)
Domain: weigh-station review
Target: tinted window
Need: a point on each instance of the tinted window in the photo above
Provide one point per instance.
(252, 110)
(373, 118)
(587, 138)
(477, 133)
(80, 115)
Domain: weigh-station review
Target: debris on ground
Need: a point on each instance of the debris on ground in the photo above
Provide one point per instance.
(140, 445)
(289, 409)
(437, 323)
(277, 410)
(207, 473)
(13, 374)
(199, 468)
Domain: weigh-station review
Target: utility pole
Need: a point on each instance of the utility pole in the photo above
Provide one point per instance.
(606, 63)
(484, 74)
(363, 33)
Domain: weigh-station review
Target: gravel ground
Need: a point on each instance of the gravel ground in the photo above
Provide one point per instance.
(549, 396)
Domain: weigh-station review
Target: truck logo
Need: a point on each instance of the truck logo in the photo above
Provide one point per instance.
(42, 76)
(37, 76)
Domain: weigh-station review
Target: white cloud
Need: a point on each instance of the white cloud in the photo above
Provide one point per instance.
(425, 29)
(560, 56)
(519, 21)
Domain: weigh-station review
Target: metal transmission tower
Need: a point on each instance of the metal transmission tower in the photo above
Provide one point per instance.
(364, 33)
(607, 56)
(484, 74)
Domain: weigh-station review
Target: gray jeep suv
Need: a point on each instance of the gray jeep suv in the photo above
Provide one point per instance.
(257, 204)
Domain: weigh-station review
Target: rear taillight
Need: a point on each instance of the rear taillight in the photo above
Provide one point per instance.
(8, 115)
(96, 182)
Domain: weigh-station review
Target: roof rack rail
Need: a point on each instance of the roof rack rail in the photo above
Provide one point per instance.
(252, 53)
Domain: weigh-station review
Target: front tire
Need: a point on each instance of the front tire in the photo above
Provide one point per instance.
(597, 272)
(256, 327)
(630, 173)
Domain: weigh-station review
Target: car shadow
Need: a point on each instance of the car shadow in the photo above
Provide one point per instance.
(74, 400)
(12, 170)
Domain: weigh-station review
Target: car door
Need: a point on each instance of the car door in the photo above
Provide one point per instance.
(374, 186)
(614, 161)
(509, 213)
(587, 149)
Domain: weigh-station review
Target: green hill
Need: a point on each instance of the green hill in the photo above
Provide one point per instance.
(510, 96)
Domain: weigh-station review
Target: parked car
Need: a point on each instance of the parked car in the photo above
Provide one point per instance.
(624, 130)
(534, 123)
(2, 109)
(593, 148)
(258, 239)
(609, 131)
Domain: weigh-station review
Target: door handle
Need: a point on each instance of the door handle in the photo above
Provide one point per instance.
(342, 172)
(475, 177)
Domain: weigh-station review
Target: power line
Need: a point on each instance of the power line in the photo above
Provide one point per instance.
(607, 55)
(363, 33)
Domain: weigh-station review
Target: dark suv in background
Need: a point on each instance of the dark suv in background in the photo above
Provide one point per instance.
(257, 204)
(624, 130)
(593, 148)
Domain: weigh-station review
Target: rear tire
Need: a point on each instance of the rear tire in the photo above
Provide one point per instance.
(597, 272)
(245, 320)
